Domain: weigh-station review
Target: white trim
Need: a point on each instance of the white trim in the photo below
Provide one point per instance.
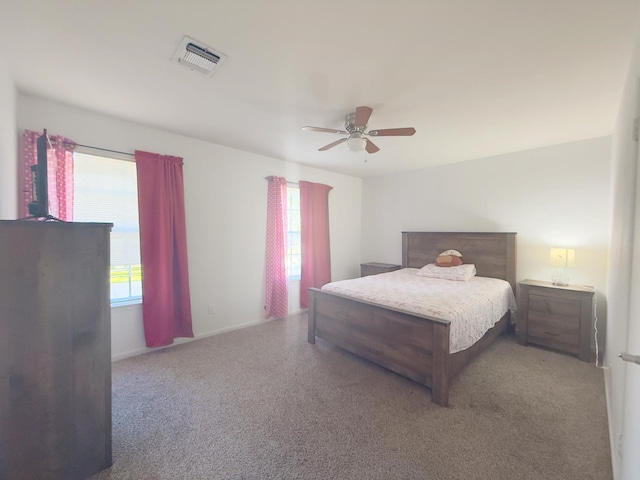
(612, 436)
(180, 341)
(126, 303)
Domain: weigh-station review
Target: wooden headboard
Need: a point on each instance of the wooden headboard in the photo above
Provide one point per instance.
(493, 254)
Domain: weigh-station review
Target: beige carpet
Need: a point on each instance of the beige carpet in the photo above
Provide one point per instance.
(262, 403)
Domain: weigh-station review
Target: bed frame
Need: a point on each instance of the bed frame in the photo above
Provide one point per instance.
(414, 346)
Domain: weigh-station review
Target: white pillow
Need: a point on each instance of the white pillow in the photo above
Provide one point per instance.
(450, 252)
(460, 273)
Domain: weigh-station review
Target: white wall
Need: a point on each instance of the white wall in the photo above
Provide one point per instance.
(552, 196)
(623, 380)
(225, 196)
(8, 162)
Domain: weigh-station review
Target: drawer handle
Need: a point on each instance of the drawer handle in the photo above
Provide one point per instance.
(551, 334)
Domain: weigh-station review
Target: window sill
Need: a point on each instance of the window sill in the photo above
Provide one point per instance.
(127, 303)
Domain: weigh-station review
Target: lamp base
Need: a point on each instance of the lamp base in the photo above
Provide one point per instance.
(560, 277)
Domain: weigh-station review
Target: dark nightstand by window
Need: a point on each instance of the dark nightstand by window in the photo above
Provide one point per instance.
(374, 268)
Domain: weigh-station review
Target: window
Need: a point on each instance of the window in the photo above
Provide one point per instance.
(294, 241)
(106, 190)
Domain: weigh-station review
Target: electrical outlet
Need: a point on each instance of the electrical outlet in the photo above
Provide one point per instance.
(619, 446)
(211, 309)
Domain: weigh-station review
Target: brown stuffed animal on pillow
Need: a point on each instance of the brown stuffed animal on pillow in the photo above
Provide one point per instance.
(449, 258)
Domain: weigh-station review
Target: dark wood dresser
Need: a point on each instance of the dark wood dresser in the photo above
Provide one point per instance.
(558, 317)
(55, 350)
(374, 268)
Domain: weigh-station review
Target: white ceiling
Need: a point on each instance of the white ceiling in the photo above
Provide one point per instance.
(475, 78)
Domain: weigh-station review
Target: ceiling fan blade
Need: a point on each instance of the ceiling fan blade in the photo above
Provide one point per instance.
(371, 147)
(362, 116)
(392, 132)
(331, 145)
(325, 130)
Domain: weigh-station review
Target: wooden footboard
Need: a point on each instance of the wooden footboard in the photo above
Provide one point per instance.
(416, 347)
(413, 346)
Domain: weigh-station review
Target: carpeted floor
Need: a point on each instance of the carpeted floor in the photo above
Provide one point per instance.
(262, 403)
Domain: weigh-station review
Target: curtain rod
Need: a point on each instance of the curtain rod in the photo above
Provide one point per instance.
(100, 148)
(288, 182)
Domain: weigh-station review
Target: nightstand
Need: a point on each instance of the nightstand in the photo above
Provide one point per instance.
(556, 317)
(374, 268)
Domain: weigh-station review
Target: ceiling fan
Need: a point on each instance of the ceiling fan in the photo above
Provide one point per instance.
(355, 125)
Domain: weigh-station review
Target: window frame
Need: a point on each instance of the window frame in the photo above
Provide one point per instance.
(132, 300)
(297, 276)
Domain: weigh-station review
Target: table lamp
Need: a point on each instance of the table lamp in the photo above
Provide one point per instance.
(561, 258)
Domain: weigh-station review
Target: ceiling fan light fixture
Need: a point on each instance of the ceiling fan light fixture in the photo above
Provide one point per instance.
(356, 144)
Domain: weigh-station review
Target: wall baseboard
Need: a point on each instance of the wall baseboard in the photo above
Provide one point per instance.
(612, 435)
(181, 341)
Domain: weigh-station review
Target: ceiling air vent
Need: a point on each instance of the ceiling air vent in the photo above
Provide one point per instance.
(198, 57)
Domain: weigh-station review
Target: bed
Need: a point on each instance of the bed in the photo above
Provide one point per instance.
(413, 345)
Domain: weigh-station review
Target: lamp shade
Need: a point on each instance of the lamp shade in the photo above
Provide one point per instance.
(562, 257)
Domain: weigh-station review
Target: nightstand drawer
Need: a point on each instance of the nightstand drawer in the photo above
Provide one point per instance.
(554, 306)
(561, 332)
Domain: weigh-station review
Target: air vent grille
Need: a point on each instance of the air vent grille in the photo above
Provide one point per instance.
(198, 57)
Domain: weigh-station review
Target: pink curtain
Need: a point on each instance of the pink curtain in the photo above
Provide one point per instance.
(59, 174)
(166, 302)
(276, 288)
(314, 226)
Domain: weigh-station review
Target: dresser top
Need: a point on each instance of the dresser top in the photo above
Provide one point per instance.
(573, 288)
(52, 224)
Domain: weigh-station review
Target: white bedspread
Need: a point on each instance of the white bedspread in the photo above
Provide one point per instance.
(471, 307)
